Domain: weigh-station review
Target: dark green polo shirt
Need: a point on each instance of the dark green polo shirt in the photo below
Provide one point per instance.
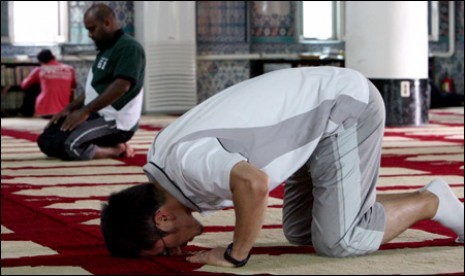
(124, 59)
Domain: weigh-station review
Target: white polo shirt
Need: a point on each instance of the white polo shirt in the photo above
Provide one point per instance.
(273, 121)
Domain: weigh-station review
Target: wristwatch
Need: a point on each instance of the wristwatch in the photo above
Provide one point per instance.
(229, 258)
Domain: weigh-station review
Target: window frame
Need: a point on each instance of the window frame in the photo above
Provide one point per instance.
(433, 20)
(338, 24)
(62, 32)
(6, 37)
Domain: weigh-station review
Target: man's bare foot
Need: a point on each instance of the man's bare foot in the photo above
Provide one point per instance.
(127, 151)
(120, 150)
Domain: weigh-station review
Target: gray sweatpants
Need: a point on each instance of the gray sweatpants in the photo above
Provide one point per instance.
(331, 201)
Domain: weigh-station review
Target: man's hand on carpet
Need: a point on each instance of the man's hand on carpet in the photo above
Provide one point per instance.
(210, 257)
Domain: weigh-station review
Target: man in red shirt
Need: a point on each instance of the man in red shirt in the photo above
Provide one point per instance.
(57, 82)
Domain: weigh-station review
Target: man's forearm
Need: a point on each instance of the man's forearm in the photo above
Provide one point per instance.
(113, 92)
(250, 214)
(76, 104)
(250, 197)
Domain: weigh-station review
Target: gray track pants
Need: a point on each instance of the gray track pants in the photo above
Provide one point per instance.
(331, 201)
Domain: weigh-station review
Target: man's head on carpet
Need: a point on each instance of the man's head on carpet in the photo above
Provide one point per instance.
(138, 222)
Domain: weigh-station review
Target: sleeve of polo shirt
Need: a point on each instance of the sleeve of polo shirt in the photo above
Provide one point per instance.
(130, 63)
(206, 167)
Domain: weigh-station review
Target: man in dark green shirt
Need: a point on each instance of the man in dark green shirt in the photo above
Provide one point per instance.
(99, 123)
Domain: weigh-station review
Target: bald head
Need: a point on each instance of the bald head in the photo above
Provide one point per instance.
(101, 22)
(101, 12)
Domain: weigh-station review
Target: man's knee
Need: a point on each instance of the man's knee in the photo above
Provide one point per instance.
(44, 145)
(323, 244)
(52, 144)
(330, 250)
(342, 247)
(49, 145)
(297, 237)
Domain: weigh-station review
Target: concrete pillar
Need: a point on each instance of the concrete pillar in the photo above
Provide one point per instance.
(388, 42)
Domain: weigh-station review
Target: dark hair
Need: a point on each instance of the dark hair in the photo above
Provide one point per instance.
(127, 220)
(45, 56)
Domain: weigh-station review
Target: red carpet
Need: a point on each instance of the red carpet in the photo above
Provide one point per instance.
(50, 210)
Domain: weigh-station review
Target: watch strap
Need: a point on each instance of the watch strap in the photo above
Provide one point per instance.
(229, 258)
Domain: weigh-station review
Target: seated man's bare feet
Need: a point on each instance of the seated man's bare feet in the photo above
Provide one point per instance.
(128, 151)
(120, 150)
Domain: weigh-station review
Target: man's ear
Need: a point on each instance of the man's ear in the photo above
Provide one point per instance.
(162, 216)
(108, 24)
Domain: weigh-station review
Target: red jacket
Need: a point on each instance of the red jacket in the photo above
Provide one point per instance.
(57, 81)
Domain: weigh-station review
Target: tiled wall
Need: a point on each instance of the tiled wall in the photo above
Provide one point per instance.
(453, 65)
(241, 27)
(273, 21)
(214, 76)
(270, 29)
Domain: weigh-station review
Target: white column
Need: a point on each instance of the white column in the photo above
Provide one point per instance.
(387, 41)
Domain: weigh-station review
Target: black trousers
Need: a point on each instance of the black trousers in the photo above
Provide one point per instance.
(82, 142)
